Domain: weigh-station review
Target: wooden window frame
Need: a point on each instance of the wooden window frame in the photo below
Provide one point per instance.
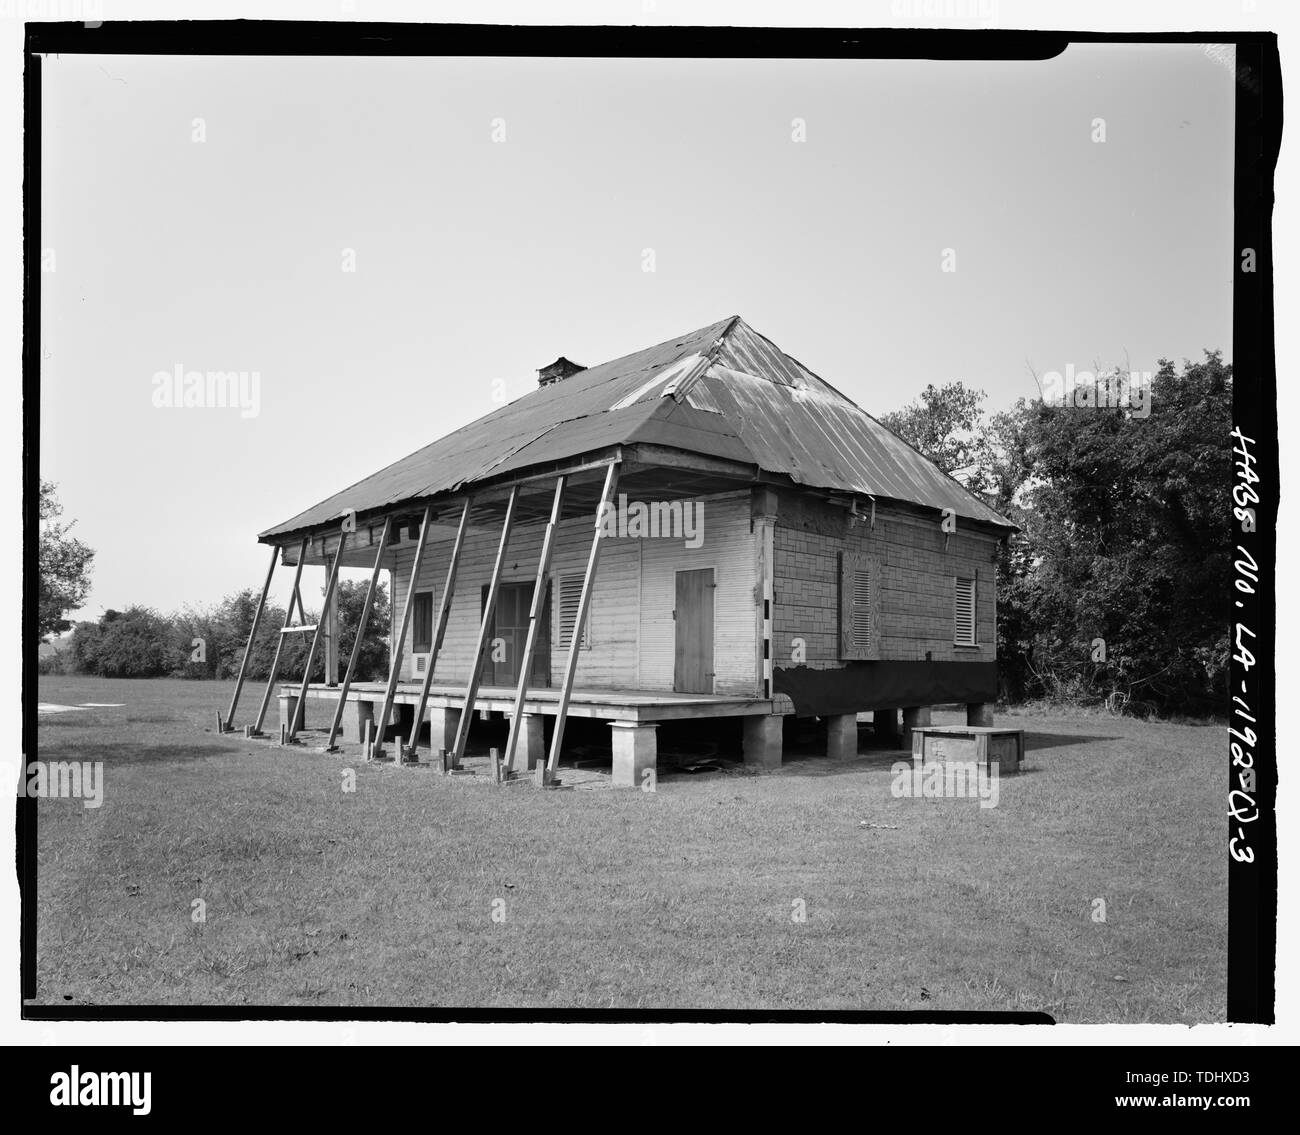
(851, 647)
(423, 602)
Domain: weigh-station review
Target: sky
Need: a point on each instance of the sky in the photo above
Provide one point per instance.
(203, 213)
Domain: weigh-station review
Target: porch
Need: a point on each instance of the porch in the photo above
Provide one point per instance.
(633, 716)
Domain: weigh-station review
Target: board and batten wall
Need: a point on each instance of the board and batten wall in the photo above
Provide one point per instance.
(631, 625)
(916, 601)
(727, 547)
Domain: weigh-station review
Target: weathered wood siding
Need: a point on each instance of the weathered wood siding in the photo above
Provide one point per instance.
(728, 546)
(916, 591)
(610, 661)
(631, 624)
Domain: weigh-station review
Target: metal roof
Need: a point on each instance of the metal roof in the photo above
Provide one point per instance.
(723, 391)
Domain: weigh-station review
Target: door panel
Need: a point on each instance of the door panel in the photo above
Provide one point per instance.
(693, 632)
(510, 623)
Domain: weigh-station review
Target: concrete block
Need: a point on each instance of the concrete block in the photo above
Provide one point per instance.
(913, 718)
(979, 713)
(842, 737)
(530, 749)
(361, 712)
(763, 741)
(442, 728)
(635, 750)
(288, 705)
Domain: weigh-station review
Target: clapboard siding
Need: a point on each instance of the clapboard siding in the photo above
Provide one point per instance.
(609, 662)
(728, 546)
(631, 624)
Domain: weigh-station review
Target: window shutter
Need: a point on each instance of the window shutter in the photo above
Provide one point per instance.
(570, 596)
(859, 606)
(422, 629)
(963, 611)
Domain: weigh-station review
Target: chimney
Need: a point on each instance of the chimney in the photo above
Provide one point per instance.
(558, 370)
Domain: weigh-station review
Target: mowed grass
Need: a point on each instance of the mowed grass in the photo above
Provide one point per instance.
(682, 898)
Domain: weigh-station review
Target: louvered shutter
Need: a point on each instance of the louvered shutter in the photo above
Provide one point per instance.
(859, 606)
(964, 611)
(570, 596)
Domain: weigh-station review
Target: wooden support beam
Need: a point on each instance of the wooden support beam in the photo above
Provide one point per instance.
(252, 636)
(330, 617)
(366, 608)
(534, 621)
(643, 455)
(489, 609)
(584, 605)
(296, 597)
(300, 709)
(399, 641)
(279, 645)
(444, 614)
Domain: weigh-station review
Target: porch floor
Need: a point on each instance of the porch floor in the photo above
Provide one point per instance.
(605, 705)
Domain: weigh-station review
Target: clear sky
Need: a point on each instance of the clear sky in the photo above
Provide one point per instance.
(479, 260)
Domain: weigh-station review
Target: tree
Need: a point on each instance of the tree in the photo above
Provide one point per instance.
(135, 643)
(1125, 517)
(945, 427)
(63, 567)
(1116, 588)
(373, 662)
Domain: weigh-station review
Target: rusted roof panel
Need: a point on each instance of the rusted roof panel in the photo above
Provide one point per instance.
(561, 420)
(820, 438)
(723, 391)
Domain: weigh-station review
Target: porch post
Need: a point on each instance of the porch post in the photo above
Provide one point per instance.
(279, 646)
(399, 641)
(229, 723)
(444, 613)
(584, 605)
(371, 591)
(534, 621)
(297, 718)
(489, 609)
(331, 619)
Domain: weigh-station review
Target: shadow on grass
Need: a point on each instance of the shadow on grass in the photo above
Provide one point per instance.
(1034, 741)
(125, 753)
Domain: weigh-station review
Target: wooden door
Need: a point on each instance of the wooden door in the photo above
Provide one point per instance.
(510, 626)
(693, 632)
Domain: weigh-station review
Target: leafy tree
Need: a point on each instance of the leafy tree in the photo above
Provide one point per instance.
(135, 643)
(63, 567)
(1126, 520)
(945, 426)
(83, 648)
(1122, 535)
(372, 665)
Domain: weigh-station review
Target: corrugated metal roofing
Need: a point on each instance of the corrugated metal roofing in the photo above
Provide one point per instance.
(740, 397)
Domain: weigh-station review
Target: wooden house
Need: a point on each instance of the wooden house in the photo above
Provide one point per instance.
(703, 528)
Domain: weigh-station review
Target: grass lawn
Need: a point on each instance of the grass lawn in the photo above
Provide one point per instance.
(420, 890)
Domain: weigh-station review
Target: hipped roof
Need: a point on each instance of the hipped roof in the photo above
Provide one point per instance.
(721, 391)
